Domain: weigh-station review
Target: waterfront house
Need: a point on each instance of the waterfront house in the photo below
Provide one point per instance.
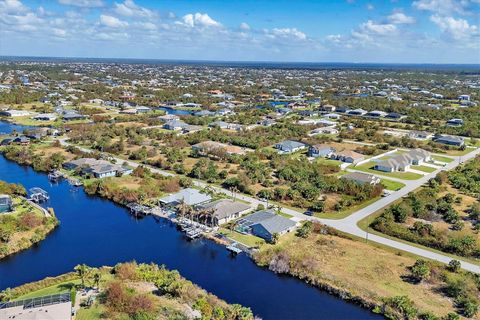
(449, 140)
(290, 146)
(188, 196)
(224, 210)
(320, 150)
(402, 162)
(265, 224)
(5, 203)
(347, 156)
(15, 113)
(168, 117)
(45, 117)
(362, 178)
(97, 168)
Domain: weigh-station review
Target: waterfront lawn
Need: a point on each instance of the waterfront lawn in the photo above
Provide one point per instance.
(96, 311)
(442, 159)
(246, 239)
(368, 167)
(55, 289)
(361, 269)
(392, 185)
(423, 168)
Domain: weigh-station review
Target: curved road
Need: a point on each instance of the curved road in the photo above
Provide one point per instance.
(349, 224)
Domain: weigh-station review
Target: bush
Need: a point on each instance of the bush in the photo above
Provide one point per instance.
(454, 265)
(420, 270)
(305, 230)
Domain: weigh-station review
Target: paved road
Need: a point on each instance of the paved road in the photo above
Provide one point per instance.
(349, 224)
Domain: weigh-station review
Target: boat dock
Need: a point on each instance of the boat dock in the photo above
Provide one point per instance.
(234, 249)
(38, 195)
(55, 175)
(138, 209)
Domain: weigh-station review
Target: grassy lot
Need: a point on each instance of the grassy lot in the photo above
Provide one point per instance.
(365, 223)
(442, 159)
(345, 213)
(392, 185)
(246, 239)
(92, 313)
(328, 162)
(360, 268)
(368, 167)
(55, 289)
(423, 168)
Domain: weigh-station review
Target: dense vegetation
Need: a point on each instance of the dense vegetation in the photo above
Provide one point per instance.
(414, 218)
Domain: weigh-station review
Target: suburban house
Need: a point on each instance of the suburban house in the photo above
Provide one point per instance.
(455, 122)
(375, 114)
(97, 168)
(22, 140)
(5, 203)
(224, 210)
(175, 125)
(168, 117)
(320, 150)
(189, 196)
(213, 147)
(449, 140)
(347, 156)
(290, 146)
(362, 178)
(394, 116)
(420, 135)
(356, 112)
(323, 130)
(327, 108)
(15, 113)
(73, 116)
(265, 224)
(45, 117)
(402, 162)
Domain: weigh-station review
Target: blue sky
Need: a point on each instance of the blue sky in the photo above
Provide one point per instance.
(388, 31)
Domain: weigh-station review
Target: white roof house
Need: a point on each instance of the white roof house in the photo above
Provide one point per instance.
(188, 196)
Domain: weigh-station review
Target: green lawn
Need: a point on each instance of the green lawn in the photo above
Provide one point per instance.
(368, 167)
(345, 213)
(246, 239)
(92, 313)
(328, 162)
(442, 159)
(392, 185)
(58, 288)
(424, 168)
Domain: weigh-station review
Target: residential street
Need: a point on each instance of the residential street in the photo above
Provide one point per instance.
(349, 224)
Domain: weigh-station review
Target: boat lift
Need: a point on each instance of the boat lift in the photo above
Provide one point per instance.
(38, 195)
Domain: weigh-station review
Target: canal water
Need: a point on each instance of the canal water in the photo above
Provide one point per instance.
(98, 232)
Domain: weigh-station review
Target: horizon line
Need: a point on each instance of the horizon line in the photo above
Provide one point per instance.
(240, 61)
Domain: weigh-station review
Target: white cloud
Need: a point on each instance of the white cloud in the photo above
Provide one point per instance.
(83, 3)
(199, 20)
(287, 33)
(378, 28)
(129, 9)
(12, 7)
(112, 22)
(444, 7)
(59, 32)
(146, 25)
(244, 26)
(370, 7)
(457, 29)
(400, 18)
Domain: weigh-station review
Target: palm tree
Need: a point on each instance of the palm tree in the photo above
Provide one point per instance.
(96, 278)
(82, 271)
(275, 237)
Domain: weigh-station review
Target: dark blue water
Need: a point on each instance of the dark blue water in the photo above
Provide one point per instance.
(177, 112)
(8, 128)
(98, 232)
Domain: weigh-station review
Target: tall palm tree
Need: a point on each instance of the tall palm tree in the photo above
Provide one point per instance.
(82, 271)
(96, 278)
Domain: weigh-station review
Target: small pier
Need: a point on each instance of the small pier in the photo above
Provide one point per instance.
(38, 195)
(234, 249)
(138, 209)
(75, 182)
(55, 176)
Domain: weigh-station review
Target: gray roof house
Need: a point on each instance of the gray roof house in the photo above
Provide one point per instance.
(224, 210)
(362, 178)
(97, 168)
(188, 196)
(450, 140)
(265, 223)
(175, 125)
(5, 203)
(402, 162)
(320, 150)
(289, 146)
